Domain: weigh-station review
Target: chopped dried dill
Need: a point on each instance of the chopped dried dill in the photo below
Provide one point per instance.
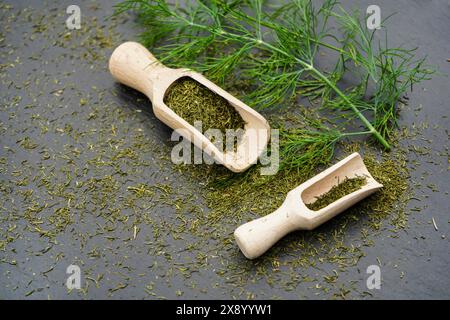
(194, 102)
(338, 191)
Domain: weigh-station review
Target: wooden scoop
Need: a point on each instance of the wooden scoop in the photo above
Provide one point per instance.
(257, 236)
(133, 65)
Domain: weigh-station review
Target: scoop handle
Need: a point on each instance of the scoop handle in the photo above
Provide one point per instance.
(257, 236)
(133, 65)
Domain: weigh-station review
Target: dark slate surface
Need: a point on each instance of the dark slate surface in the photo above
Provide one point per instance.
(414, 262)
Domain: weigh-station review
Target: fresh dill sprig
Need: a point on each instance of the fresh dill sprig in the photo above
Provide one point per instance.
(277, 48)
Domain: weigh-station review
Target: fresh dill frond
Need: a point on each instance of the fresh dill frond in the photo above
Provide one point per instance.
(276, 47)
(306, 149)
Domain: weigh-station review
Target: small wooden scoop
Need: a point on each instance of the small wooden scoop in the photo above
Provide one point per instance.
(257, 236)
(133, 65)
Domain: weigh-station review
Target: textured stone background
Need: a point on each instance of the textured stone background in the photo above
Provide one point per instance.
(414, 262)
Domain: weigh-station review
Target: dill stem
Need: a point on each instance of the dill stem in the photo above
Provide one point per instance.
(355, 109)
(359, 133)
(324, 78)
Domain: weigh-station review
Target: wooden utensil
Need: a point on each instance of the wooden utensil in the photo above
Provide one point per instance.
(257, 236)
(133, 65)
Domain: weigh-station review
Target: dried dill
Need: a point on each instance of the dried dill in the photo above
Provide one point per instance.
(336, 192)
(194, 102)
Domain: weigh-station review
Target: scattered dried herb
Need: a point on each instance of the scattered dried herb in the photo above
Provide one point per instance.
(343, 188)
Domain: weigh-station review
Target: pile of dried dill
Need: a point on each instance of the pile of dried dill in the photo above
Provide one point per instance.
(343, 188)
(194, 102)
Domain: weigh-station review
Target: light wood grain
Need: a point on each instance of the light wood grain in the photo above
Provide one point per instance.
(133, 65)
(257, 236)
